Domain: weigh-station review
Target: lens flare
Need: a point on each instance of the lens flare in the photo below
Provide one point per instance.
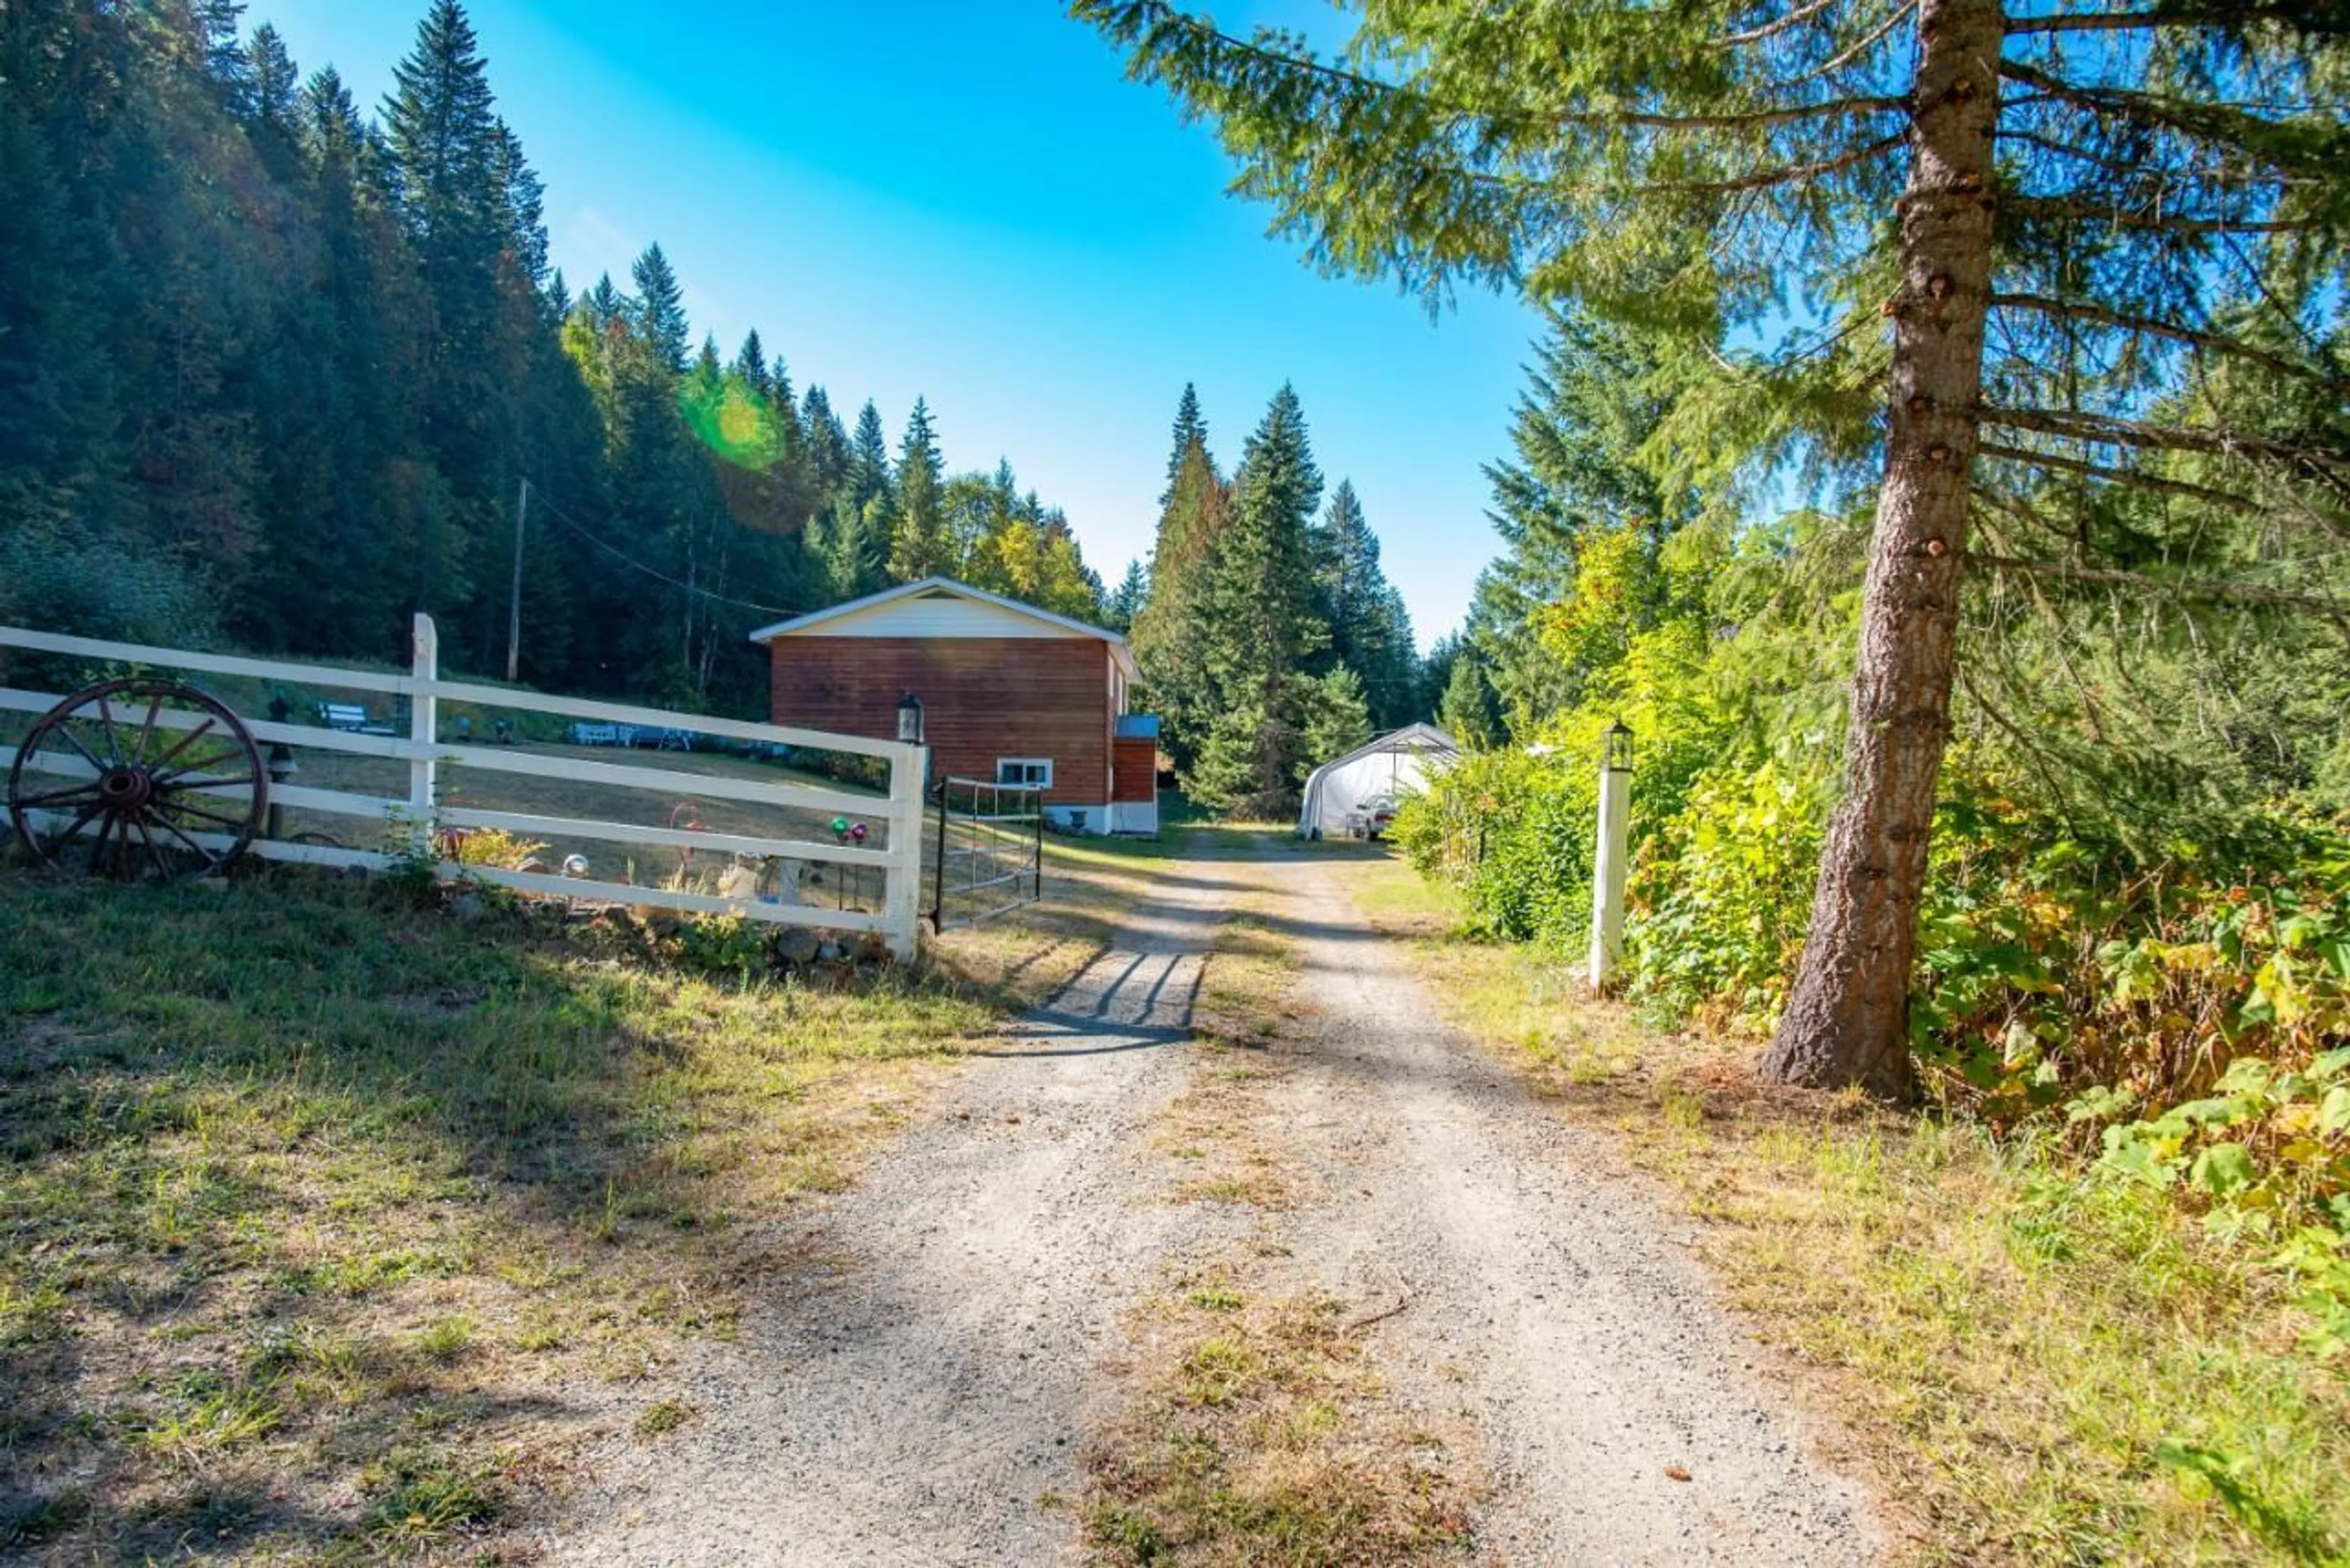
(729, 418)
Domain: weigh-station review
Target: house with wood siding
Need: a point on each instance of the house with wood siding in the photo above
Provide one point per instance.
(1010, 693)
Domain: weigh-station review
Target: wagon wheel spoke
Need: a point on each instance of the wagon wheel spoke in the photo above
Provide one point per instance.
(194, 848)
(197, 783)
(73, 796)
(174, 804)
(65, 733)
(184, 742)
(192, 769)
(147, 731)
(56, 841)
(155, 856)
(113, 740)
(106, 825)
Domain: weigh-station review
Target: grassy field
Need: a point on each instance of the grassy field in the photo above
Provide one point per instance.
(2038, 1366)
(329, 1222)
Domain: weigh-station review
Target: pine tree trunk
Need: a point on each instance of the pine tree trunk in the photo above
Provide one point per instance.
(1847, 1020)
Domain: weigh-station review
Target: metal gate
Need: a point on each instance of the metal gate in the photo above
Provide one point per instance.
(987, 850)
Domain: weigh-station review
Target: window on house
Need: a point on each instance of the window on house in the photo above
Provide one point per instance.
(1036, 770)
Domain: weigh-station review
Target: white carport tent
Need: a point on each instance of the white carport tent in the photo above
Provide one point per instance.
(1391, 767)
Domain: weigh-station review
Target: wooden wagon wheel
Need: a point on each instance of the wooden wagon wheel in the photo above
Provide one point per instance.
(139, 778)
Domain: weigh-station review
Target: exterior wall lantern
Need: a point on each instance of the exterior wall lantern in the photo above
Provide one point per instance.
(910, 720)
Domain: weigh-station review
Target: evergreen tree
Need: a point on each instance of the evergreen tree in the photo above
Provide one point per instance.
(1594, 399)
(1338, 720)
(869, 479)
(1191, 429)
(917, 532)
(828, 444)
(1369, 631)
(660, 320)
(1132, 592)
(1467, 710)
(1262, 624)
(1170, 629)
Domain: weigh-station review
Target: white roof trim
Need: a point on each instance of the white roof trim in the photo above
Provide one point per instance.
(798, 624)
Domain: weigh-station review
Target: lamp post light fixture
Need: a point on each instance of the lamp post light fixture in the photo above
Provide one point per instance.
(910, 720)
(1617, 748)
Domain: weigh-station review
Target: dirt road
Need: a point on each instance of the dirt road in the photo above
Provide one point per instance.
(923, 1399)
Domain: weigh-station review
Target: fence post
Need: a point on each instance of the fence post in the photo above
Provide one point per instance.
(901, 899)
(1607, 864)
(423, 731)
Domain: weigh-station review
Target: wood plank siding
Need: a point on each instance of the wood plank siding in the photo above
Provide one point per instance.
(1137, 770)
(983, 698)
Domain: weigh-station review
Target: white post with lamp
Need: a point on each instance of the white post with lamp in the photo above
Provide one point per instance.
(1614, 844)
(908, 771)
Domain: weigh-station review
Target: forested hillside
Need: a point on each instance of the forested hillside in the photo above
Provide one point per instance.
(276, 368)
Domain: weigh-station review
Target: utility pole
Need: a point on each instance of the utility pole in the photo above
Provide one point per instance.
(514, 602)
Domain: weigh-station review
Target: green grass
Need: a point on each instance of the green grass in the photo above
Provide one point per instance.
(2038, 1365)
(1260, 1435)
(310, 1199)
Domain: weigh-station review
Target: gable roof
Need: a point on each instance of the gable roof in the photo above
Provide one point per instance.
(1410, 738)
(948, 588)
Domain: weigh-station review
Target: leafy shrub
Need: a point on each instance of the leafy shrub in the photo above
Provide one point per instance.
(1514, 831)
(1720, 895)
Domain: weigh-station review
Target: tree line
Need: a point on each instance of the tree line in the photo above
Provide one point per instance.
(277, 371)
(1268, 637)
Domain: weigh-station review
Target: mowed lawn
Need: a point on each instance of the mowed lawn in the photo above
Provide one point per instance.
(330, 1219)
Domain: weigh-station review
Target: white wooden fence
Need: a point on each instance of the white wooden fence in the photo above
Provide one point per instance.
(898, 858)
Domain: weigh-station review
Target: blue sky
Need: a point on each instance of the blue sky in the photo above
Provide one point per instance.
(968, 202)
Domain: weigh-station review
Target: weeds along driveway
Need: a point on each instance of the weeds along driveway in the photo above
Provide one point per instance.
(916, 1393)
(1539, 1291)
(1000, 1296)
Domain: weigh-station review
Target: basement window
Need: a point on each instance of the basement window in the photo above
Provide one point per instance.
(1036, 770)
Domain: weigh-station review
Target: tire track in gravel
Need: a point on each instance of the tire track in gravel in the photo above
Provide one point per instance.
(1545, 1299)
(914, 1403)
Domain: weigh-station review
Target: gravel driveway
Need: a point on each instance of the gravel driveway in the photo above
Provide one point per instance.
(923, 1399)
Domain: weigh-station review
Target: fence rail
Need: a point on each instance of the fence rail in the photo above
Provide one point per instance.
(421, 815)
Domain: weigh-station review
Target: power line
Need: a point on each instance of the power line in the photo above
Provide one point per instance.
(539, 495)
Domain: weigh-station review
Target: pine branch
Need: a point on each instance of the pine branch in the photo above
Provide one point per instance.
(2092, 22)
(1792, 19)
(2083, 310)
(2228, 126)
(2124, 218)
(2215, 591)
(2124, 476)
(1460, 115)
(2113, 429)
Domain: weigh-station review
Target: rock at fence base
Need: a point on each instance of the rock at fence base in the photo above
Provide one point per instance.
(213, 884)
(469, 906)
(797, 947)
(873, 950)
(831, 953)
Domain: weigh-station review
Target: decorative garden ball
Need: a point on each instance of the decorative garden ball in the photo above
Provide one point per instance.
(857, 833)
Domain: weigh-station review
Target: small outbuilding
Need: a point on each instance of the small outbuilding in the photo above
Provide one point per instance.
(1356, 796)
(1010, 693)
